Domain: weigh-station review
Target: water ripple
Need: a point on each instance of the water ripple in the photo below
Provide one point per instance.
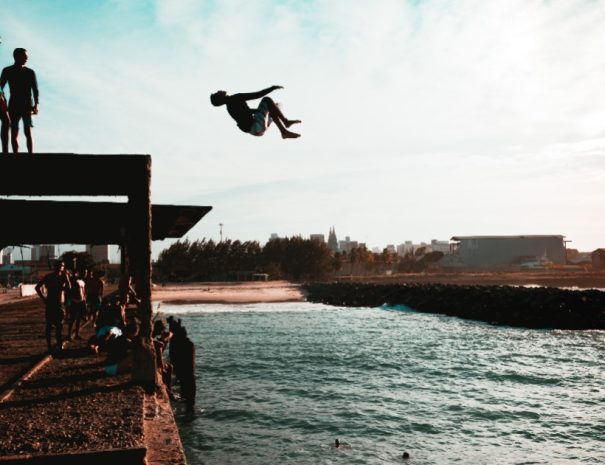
(279, 382)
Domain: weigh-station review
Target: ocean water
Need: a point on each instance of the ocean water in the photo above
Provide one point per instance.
(278, 383)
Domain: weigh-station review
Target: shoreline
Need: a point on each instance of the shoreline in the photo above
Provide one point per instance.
(228, 293)
(253, 292)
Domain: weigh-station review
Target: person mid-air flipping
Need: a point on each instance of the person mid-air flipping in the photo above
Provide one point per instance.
(255, 121)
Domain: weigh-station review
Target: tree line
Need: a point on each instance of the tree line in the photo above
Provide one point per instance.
(206, 260)
(292, 258)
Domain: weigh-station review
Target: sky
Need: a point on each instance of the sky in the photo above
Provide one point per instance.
(421, 119)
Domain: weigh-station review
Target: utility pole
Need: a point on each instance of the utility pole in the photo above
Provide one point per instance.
(220, 225)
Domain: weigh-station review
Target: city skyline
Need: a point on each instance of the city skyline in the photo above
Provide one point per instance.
(421, 119)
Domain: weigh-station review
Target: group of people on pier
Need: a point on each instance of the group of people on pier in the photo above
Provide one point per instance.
(117, 328)
(69, 298)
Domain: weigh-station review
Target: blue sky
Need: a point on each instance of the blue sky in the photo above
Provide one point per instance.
(421, 120)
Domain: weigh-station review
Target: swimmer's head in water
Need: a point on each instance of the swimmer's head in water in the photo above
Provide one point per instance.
(406, 455)
(337, 443)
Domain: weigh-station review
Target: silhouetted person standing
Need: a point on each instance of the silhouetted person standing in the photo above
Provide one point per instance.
(94, 294)
(23, 102)
(257, 121)
(56, 283)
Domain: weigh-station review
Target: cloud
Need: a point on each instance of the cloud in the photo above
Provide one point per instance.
(428, 118)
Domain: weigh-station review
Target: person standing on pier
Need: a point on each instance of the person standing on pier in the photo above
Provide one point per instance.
(256, 121)
(56, 283)
(23, 102)
(94, 294)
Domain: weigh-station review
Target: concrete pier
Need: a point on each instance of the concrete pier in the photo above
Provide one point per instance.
(65, 409)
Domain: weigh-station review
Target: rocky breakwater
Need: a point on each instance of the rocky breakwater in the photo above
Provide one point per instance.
(544, 307)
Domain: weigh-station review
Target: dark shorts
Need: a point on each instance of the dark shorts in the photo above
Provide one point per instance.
(18, 114)
(54, 314)
(94, 303)
(76, 310)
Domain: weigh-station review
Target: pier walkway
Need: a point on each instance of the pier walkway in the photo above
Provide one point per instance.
(67, 410)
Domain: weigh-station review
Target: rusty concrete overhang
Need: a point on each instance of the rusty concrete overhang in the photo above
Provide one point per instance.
(72, 174)
(60, 222)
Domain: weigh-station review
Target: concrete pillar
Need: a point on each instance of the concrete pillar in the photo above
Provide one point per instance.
(138, 250)
(139, 243)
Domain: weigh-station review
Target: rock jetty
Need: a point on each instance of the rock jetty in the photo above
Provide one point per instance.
(541, 307)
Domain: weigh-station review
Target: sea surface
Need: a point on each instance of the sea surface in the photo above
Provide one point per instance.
(278, 383)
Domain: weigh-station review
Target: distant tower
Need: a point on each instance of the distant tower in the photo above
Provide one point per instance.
(332, 241)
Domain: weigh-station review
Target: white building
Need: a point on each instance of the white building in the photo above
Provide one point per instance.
(99, 253)
(440, 246)
(409, 247)
(44, 252)
(347, 245)
(405, 248)
(318, 237)
(6, 257)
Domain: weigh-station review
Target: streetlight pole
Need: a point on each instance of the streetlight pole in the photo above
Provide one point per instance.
(221, 231)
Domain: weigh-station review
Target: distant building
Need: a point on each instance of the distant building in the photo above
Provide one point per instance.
(6, 257)
(332, 240)
(318, 237)
(273, 236)
(501, 252)
(440, 246)
(347, 245)
(44, 252)
(11, 275)
(343, 246)
(598, 259)
(390, 248)
(575, 257)
(405, 248)
(408, 247)
(99, 253)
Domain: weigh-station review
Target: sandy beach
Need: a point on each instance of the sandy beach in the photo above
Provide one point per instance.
(240, 292)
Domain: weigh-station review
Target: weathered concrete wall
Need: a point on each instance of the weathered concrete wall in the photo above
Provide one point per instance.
(501, 305)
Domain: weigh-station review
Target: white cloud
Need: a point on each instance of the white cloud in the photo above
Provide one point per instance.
(419, 120)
